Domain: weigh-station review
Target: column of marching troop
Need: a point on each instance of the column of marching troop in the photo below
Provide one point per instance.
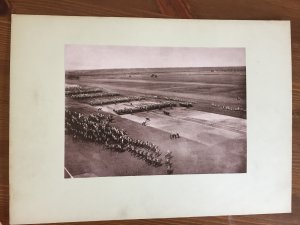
(186, 104)
(115, 100)
(93, 95)
(81, 90)
(144, 108)
(230, 108)
(97, 128)
(173, 99)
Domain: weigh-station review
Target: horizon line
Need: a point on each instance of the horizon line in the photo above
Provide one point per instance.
(128, 68)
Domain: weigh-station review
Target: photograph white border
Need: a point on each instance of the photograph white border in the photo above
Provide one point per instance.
(40, 194)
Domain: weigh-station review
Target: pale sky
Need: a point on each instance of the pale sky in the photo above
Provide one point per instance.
(85, 57)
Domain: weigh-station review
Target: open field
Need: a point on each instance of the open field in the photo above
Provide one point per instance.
(212, 133)
(211, 88)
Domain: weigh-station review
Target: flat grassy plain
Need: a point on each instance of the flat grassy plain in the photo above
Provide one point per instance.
(212, 134)
(210, 88)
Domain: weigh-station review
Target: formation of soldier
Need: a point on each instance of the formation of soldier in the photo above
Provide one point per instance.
(71, 87)
(97, 128)
(144, 108)
(175, 99)
(115, 100)
(93, 95)
(168, 162)
(186, 104)
(230, 108)
(76, 89)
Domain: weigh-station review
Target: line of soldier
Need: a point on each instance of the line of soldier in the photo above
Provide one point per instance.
(80, 90)
(115, 100)
(144, 108)
(229, 107)
(96, 128)
(168, 162)
(93, 95)
(71, 87)
(186, 104)
(173, 99)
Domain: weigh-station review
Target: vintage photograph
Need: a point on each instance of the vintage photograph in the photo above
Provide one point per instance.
(137, 111)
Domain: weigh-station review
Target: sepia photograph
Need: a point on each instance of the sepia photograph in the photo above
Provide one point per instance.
(138, 111)
(141, 118)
